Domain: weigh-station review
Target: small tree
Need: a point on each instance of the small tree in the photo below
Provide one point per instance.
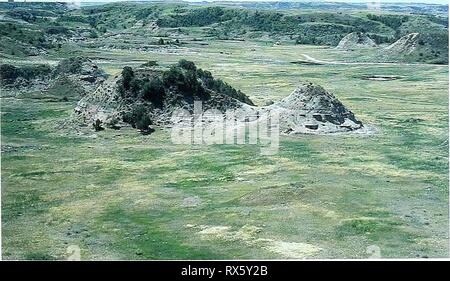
(127, 76)
(141, 119)
(188, 65)
(143, 124)
(150, 63)
(97, 125)
(135, 87)
(173, 76)
(154, 91)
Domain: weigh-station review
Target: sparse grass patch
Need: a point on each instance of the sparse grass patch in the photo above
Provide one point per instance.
(340, 193)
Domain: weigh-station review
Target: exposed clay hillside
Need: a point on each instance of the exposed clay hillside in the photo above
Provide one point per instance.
(405, 45)
(311, 109)
(148, 95)
(430, 48)
(356, 40)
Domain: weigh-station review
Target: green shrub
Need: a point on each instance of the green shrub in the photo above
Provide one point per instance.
(70, 65)
(93, 34)
(173, 76)
(143, 122)
(135, 87)
(139, 118)
(127, 76)
(150, 63)
(56, 30)
(9, 73)
(97, 125)
(154, 91)
(188, 65)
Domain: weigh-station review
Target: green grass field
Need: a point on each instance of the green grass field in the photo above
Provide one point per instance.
(122, 195)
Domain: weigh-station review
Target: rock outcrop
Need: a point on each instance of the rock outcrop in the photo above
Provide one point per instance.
(419, 47)
(80, 71)
(356, 40)
(156, 93)
(405, 45)
(310, 109)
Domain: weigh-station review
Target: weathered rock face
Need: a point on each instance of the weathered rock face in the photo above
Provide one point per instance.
(147, 96)
(80, 71)
(153, 93)
(104, 104)
(311, 109)
(356, 40)
(405, 45)
(419, 47)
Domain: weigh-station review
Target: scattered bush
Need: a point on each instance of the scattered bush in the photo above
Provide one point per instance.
(173, 76)
(184, 77)
(8, 73)
(93, 34)
(219, 86)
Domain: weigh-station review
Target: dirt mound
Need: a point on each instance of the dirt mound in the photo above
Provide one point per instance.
(418, 47)
(145, 96)
(405, 45)
(356, 40)
(81, 72)
(104, 104)
(78, 65)
(311, 109)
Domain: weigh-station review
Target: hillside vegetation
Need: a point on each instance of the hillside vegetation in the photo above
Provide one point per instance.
(26, 31)
(147, 94)
(77, 84)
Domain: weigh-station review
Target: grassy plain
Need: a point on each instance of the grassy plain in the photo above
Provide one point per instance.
(121, 195)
